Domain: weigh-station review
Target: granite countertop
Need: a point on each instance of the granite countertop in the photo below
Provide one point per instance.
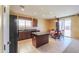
(40, 33)
(28, 30)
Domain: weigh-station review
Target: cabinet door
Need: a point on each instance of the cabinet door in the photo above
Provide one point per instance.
(21, 35)
(35, 22)
(28, 35)
(24, 35)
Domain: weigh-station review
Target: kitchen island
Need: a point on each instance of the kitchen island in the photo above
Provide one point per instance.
(40, 38)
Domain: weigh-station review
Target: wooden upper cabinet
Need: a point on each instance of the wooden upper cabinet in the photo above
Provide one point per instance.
(35, 22)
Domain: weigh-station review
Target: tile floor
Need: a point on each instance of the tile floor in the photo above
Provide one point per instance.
(73, 47)
(54, 46)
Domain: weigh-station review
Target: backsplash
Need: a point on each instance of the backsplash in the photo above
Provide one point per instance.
(23, 28)
(31, 27)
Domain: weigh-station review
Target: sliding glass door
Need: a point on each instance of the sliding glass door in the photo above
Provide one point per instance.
(65, 26)
(61, 25)
(67, 29)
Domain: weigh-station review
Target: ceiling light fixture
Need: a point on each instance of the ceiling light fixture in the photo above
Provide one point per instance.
(22, 8)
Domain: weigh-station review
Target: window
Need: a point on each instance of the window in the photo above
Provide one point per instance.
(22, 24)
(28, 23)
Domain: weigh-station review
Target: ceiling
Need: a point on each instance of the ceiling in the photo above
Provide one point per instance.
(46, 11)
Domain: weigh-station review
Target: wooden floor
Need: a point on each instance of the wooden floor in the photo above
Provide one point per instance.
(54, 46)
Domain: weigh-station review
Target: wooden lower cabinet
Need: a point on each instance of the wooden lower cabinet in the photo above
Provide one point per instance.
(24, 35)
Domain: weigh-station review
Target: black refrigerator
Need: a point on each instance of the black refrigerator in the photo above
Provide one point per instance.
(13, 34)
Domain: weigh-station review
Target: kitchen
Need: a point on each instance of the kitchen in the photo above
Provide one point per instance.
(27, 28)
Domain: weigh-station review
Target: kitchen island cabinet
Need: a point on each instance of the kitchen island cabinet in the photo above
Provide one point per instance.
(39, 39)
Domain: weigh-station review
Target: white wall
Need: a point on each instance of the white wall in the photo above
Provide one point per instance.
(0, 29)
(6, 28)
